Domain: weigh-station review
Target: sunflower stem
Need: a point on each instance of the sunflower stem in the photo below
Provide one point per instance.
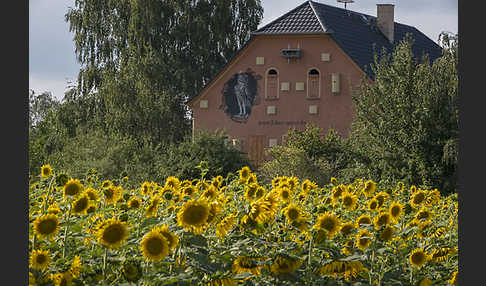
(104, 265)
(48, 194)
(309, 261)
(66, 231)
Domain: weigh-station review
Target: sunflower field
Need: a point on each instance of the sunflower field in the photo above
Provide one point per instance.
(238, 231)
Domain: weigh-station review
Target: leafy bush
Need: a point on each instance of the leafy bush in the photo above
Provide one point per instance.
(181, 159)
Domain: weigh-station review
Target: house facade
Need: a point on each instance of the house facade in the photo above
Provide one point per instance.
(303, 67)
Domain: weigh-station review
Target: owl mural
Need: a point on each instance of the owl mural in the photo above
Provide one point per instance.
(240, 93)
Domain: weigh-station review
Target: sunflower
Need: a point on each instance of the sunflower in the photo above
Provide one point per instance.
(320, 236)
(46, 226)
(369, 188)
(308, 185)
(153, 206)
(193, 215)
(349, 200)
(417, 198)
(425, 282)
(53, 209)
(172, 182)
(382, 219)
(363, 239)
(39, 259)
(382, 197)
(112, 194)
(439, 232)
(293, 213)
(92, 194)
(188, 190)
(75, 267)
(275, 182)
(112, 233)
(245, 173)
(293, 183)
(62, 279)
(258, 212)
(72, 188)
(284, 193)
(46, 171)
(386, 234)
(145, 188)
(334, 181)
(91, 208)
(337, 192)
(396, 210)
(250, 191)
(270, 202)
(80, 205)
(441, 254)
(247, 264)
(171, 238)
(418, 257)
(225, 225)
(373, 204)
(210, 193)
(363, 220)
(347, 228)
(135, 202)
(252, 179)
(423, 214)
(328, 222)
(154, 246)
(106, 184)
(131, 270)
(284, 265)
(260, 192)
(347, 269)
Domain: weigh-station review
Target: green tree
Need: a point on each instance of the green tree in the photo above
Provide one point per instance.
(406, 125)
(146, 57)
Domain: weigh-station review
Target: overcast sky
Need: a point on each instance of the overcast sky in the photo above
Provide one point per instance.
(52, 61)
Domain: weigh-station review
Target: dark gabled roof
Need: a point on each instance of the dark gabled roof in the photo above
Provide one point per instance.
(300, 20)
(358, 35)
(355, 33)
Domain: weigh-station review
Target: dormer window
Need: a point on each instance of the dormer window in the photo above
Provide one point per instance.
(271, 84)
(314, 83)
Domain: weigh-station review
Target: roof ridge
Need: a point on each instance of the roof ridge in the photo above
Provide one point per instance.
(281, 17)
(367, 15)
(317, 16)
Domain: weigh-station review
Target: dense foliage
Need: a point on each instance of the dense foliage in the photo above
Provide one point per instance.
(406, 123)
(235, 230)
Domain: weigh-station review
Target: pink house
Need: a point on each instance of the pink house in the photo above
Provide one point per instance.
(303, 67)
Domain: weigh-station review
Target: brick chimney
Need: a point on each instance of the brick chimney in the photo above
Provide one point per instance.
(385, 20)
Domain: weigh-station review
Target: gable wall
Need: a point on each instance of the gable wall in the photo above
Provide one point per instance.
(292, 107)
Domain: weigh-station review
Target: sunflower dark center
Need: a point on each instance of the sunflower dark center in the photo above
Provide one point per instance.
(155, 246)
(113, 233)
(293, 214)
(195, 215)
(72, 189)
(47, 226)
(81, 204)
(41, 258)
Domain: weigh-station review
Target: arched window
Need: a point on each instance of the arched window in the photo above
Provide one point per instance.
(314, 83)
(271, 84)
